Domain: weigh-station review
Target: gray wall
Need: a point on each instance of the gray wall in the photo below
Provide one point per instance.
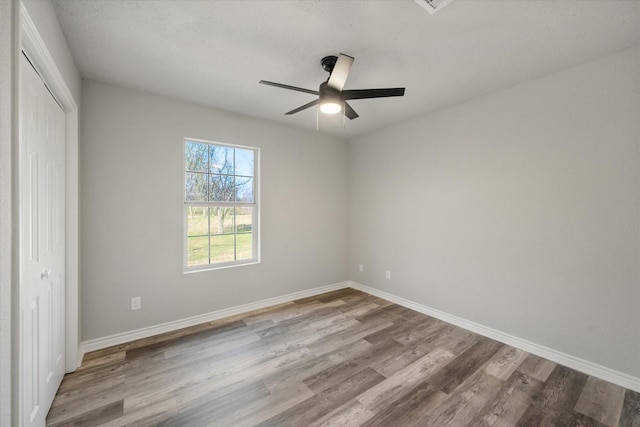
(132, 210)
(518, 210)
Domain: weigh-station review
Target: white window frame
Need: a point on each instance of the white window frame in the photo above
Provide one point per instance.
(255, 232)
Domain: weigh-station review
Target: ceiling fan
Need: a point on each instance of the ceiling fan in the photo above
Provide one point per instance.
(331, 96)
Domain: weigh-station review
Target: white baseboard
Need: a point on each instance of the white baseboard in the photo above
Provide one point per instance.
(121, 338)
(584, 366)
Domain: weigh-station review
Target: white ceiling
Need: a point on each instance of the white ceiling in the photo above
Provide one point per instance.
(215, 52)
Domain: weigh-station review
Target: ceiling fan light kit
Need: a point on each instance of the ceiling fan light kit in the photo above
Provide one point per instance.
(329, 107)
(332, 99)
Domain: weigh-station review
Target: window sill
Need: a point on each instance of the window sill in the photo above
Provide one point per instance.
(199, 269)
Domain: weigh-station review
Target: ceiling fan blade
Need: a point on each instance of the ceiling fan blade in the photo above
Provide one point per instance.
(340, 72)
(299, 89)
(372, 93)
(350, 112)
(304, 107)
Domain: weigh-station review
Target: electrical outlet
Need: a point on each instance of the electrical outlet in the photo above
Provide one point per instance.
(360, 268)
(136, 303)
(387, 274)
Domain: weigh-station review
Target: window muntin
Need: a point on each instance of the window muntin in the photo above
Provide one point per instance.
(221, 209)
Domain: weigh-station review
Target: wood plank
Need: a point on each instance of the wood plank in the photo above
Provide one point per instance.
(204, 410)
(361, 311)
(217, 342)
(555, 402)
(147, 416)
(92, 403)
(384, 312)
(103, 352)
(76, 396)
(189, 385)
(332, 342)
(307, 368)
(414, 406)
(153, 385)
(407, 313)
(340, 294)
(396, 386)
(463, 366)
(419, 331)
(515, 396)
(359, 298)
(463, 404)
(601, 401)
(506, 362)
(96, 416)
(537, 367)
(580, 420)
(238, 374)
(630, 416)
(454, 339)
(104, 360)
(341, 371)
(279, 400)
(188, 332)
(351, 413)
(315, 407)
(401, 358)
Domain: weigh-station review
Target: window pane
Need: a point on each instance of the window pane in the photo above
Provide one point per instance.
(244, 236)
(221, 188)
(221, 220)
(244, 189)
(197, 221)
(245, 246)
(244, 162)
(195, 157)
(222, 248)
(197, 250)
(196, 187)
(221, 159)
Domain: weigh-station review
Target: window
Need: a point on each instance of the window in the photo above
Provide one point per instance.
(221, 205)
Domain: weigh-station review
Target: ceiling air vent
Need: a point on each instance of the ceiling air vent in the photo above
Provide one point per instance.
(432, 6)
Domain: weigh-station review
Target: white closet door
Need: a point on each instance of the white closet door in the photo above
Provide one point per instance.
(42, 246)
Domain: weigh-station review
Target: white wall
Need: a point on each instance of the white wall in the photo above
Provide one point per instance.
(518, 210)
(132, 209)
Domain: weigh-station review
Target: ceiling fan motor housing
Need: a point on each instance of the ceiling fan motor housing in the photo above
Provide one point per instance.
(328, 62)
(327, 93)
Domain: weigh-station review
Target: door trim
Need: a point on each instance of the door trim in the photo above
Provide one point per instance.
(36, 50)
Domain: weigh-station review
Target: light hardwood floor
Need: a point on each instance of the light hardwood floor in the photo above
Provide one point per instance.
(341, 358)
